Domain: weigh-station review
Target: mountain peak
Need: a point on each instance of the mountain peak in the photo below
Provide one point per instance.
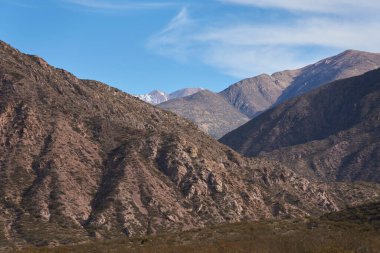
(184, 92)
(209, 110)
(353, 52)
(344, 65)
(156, 96)
(157, 92)
(350, 56)
(204, 92)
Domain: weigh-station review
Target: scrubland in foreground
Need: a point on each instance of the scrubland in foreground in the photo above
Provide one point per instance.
(328, 234)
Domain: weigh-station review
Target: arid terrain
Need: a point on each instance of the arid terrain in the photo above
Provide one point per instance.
(352, 230)
(331, 133)
(82, 162)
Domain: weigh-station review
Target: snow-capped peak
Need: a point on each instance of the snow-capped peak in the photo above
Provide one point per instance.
(154, 97)
(157, 97)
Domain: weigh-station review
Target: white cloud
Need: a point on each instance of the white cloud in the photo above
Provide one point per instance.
(318, 32)
(117, 5)
(247, 48)
(324, 6)
(173, 41)
(244, 62)
(180, 20)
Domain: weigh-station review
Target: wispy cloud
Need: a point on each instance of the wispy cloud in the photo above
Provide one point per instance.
(317, 31)
(242, 50)
(181, 20)
(323, 6)
(173, 41)
(248, 47)
(243, 62)
(118, 5)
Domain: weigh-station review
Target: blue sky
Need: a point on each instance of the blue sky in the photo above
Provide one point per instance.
(138, 46)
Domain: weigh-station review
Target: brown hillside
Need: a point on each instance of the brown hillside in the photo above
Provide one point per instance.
(79, 159)
(332, 132)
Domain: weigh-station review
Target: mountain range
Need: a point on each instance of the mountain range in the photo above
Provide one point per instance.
(157, 97)
(81, 160)
(255, 95)
(331, 133)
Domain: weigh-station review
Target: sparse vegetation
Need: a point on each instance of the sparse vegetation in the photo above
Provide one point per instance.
(275, 236)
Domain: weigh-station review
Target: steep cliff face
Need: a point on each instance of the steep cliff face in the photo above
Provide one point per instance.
(79, 159)
(332, 133)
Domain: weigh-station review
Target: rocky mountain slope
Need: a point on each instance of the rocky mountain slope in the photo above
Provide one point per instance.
(347, 64)
(156, 97)
(210, 111)
(254, 95)
(331, 133)
(80, 159)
